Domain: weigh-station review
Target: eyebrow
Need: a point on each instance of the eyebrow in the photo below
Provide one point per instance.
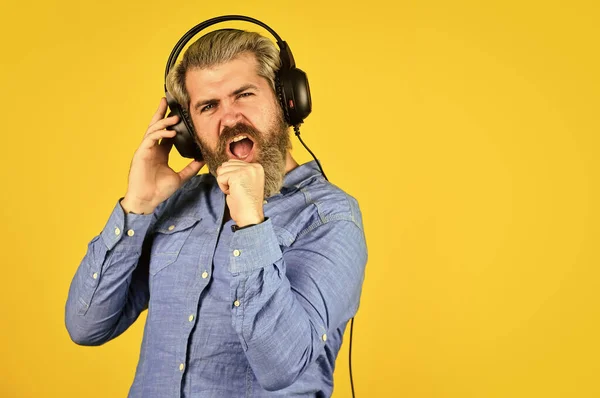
(212, 101)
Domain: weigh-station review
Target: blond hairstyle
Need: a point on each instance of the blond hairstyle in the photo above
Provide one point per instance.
(222, 46)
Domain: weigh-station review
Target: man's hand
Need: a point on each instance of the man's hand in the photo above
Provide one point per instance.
(244, 185)
(151, 180)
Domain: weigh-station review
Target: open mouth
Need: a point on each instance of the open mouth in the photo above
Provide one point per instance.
(241, 147)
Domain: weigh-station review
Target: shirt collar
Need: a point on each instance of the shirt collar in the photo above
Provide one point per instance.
(300, 176)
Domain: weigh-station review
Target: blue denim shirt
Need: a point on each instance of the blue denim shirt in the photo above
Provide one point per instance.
(259, 312)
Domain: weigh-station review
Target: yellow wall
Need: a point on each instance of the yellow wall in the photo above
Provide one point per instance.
(467, 130)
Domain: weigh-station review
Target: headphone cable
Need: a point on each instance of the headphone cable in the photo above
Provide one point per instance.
(297, 132)
(350, 356)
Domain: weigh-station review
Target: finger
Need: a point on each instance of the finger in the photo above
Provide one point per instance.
(228, 173)
(190, 170)
(160, 112)
(227, 170)
(229, 165)
(152, 139)
(162, 124)
(223, 182)
(254, 170)
(233, 162)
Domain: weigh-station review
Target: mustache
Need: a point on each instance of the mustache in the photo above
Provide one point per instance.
(240, 128)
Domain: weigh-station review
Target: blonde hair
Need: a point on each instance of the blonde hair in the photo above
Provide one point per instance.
(222, 46)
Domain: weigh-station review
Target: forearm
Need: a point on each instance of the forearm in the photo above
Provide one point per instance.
(280, 337)
(288, 305)
(109, 289)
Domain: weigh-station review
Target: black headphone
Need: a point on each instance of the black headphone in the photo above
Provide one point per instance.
(291, 85)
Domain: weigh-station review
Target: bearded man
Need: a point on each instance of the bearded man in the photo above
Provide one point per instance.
(250, 272)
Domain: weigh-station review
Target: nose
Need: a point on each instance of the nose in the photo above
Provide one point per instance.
(230, 116)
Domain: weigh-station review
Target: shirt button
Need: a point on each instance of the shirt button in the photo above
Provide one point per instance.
(265, 202)
(204, 275)
(171, 227)
(117, 231)
(130, 232)
(236, 303)
(191, 318)
(181, 367)
(324, 337)
(236, 253)
(95, 276)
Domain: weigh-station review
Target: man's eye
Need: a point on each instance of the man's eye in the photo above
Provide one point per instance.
(245, 95)
(207, 107)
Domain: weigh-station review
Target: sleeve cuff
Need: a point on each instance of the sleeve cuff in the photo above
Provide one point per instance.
(253, 248)
(131, 228)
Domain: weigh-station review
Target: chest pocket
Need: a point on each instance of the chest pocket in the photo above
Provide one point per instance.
(169, 237)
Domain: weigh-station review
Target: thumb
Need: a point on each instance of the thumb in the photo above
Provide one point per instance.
(190, 170)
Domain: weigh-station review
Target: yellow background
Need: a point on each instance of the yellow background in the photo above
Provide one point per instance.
(468, 131)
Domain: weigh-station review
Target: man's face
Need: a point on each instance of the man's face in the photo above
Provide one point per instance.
(236, 116)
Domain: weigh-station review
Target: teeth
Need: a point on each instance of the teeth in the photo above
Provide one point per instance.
(239, 138)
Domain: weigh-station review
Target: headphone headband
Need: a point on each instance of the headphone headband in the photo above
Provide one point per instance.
(287, 59)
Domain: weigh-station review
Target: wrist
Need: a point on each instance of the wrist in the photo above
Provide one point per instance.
(136, 206)
(249, 221)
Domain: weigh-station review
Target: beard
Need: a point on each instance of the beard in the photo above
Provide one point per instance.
(270, 148)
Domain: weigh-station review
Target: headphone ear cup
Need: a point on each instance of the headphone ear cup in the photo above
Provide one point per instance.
(185, 137)
(294, 95)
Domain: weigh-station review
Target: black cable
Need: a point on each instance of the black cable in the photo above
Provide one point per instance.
(350, 356)
(297, 132)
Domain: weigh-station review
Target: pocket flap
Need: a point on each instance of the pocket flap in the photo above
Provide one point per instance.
(169, 237)
(174, 225)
